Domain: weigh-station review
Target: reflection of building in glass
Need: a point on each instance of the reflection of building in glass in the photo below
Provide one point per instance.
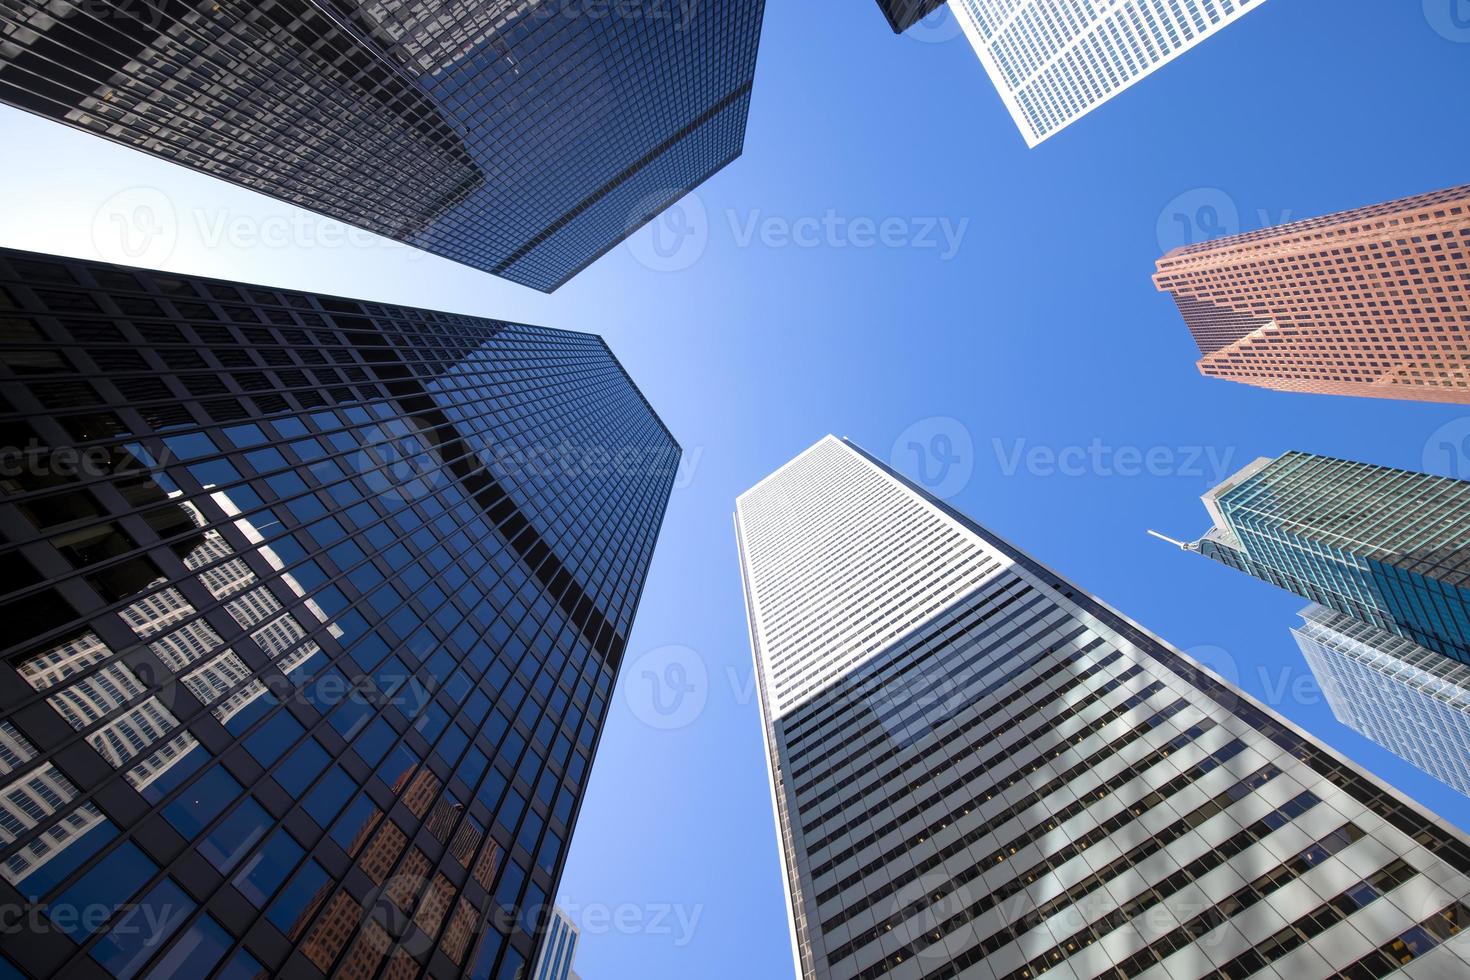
(312, 653)
(521, 137)
(1410, 700)
(979, 769)
(1386, 546)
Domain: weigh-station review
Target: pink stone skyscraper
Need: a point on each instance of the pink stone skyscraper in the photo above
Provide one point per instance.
(1372, 302)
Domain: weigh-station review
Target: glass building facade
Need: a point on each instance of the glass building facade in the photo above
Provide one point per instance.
(1389, 547)
(521, 137)
(979, 770)
(903, 14)
(1410, 700)
(313, 607)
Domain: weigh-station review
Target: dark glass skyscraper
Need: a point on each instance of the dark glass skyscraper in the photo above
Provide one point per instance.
(1388, 547)
(520, 137)
(312, 611)
(903, 14)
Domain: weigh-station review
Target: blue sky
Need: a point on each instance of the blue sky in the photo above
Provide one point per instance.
(890, 263)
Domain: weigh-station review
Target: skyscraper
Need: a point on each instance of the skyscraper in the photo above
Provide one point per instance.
(520, 137)
(1372, 302)
(1410, 700)
(1054, 63)
(903, 14)
(312, 610)
(558, 949)
(980, 770)
(1388, 547)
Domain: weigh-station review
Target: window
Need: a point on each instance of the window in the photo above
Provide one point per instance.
(268, 867)
(144, 928)
(202, 802)
(235, 835)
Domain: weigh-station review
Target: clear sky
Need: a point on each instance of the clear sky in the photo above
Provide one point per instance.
(811, 288)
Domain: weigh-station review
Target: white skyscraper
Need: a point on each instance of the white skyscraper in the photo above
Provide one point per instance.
(981, 771)
(558, 949)
(1054, 61)
(1412, 701)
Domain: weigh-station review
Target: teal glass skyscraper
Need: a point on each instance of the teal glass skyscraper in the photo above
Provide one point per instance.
(312, 611)
(1386, 546)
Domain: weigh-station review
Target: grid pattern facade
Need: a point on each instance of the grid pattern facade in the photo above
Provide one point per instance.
(520, 137)
(1026, 784)
(558, 949)
(1409, 700)
(313, 608)
(1054, 62)
(1372, 302)
(1386, 546)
